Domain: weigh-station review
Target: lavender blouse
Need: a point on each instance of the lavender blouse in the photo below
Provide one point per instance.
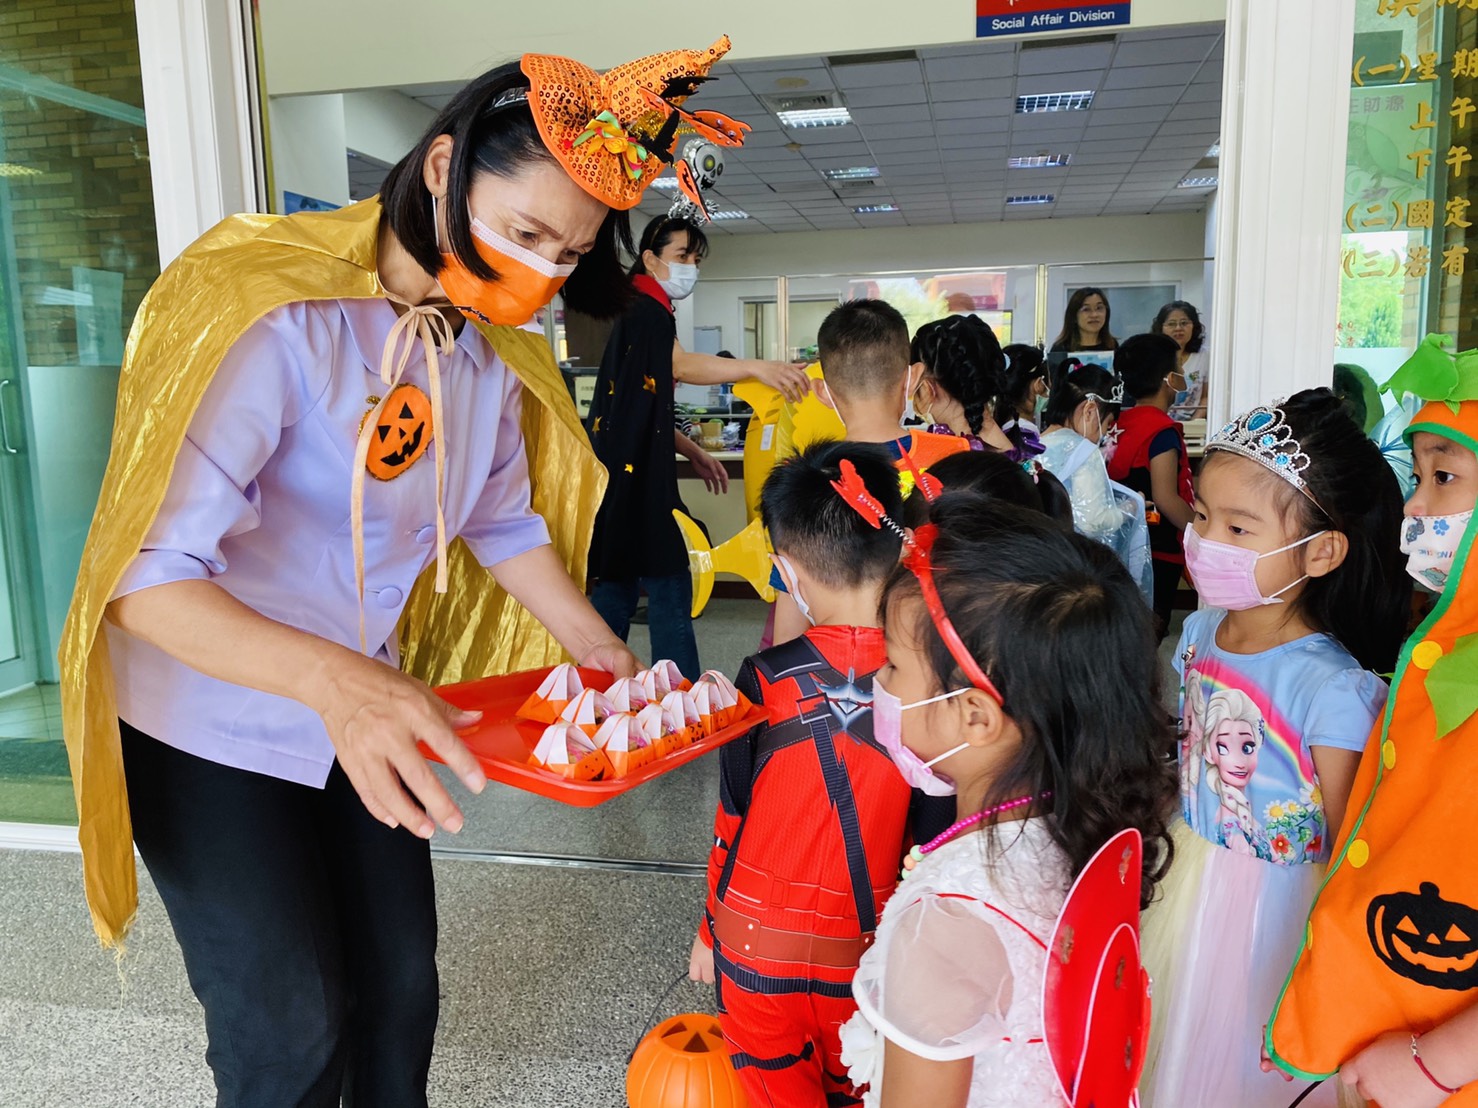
(259, 503)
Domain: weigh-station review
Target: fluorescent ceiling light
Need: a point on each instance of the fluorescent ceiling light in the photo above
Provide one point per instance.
(1034, 198)
(1197, 183)
(815, 117)
(1040, 161)
(15, 169)
(665, 184)
(853, 173)
(1054, 102)
(727, 213)
(869, 209)
(1215, 151)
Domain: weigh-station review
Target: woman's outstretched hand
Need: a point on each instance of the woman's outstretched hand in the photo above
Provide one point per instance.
(375, 716)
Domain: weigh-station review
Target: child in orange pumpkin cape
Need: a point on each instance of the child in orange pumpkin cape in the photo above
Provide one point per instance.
(810, 828)
(1385, 988)
(869, 381)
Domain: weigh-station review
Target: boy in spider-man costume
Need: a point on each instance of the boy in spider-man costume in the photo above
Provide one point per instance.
(812, 813)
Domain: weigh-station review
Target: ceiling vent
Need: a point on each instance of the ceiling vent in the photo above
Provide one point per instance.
(804, 102)
(877, 57)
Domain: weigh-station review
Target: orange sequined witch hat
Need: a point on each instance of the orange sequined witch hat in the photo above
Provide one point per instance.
(615, 131)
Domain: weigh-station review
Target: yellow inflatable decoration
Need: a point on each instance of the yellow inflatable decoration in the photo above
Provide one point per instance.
(747, 554)
(778, 429)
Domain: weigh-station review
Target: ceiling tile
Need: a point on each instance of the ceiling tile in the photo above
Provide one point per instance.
(1150, 76)
(885, 96)
(1001, 89)
(880, 73)
(1136, 52)
(1115, 116)
(971, 66)
(1196, 111)
(885, 132)
(1064, 59)
(897, 113)
(1135, 98)
(1072, 81)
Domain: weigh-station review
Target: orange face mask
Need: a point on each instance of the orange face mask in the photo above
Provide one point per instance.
(525, 283)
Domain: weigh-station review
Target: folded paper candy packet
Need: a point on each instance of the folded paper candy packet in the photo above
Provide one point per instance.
(684, 711)
(726, 702)
(566, 750)
(660, 728)
(556, 691)
(587, 711)
(627, 696)
(625, 747)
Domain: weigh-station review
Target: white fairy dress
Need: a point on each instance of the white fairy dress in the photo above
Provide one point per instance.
(957, 968)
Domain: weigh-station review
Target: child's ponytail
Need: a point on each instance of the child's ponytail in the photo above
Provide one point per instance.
(1365, 602)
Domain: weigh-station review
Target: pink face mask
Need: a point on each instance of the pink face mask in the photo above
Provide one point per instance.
(1225, 576)
(887, 728)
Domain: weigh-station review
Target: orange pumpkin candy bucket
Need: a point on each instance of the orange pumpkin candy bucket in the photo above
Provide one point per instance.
(684, 1063)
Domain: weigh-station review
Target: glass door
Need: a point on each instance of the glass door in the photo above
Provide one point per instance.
(78, 250)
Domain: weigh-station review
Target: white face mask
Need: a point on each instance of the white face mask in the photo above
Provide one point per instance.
(793, 583)
(681, 277)
(910, 413)
(1430, 544)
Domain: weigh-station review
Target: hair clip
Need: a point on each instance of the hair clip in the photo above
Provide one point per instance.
(854, 492)
(1033, 470)
(931, 487)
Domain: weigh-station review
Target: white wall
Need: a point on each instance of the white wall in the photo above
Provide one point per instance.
(331, 46)
(1106, 251)
(952, 246)
(308, 144)
(384, 124)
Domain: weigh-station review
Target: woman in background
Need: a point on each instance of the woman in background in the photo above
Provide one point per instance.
(1182, 322)
(1085, 323)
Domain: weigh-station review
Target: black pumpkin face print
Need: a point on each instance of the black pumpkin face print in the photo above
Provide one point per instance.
(1424, 938)
(402, 434)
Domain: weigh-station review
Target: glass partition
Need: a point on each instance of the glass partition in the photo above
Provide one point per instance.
(77, 253)
(1408, 189)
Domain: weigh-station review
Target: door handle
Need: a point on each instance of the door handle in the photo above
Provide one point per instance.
(5, 444)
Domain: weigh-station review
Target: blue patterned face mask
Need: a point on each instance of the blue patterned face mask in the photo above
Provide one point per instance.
(1430, 544)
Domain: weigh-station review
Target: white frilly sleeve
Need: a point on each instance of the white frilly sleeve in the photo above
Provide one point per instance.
(940, 986)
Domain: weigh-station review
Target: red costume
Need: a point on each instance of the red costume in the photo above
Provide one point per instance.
(807, 843)
(1137, 429)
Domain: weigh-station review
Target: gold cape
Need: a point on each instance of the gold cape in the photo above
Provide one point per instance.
(233, 275)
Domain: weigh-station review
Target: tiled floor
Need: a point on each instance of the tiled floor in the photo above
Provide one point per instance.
(34, 783)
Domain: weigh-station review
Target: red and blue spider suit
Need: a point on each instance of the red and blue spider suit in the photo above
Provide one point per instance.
(807, 842)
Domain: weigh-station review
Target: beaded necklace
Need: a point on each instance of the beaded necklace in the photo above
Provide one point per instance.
(916, 854)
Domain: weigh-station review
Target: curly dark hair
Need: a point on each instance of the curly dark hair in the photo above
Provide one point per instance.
(964, 357)
(1064, 633)
(1366, 601)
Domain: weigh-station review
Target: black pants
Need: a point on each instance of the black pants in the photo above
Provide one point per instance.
(1167, 583)
(308, 929)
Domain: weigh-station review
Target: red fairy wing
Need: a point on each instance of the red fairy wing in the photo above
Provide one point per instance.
(1103, 902)
(689, 185)
(717, 128)
(1114, 1028)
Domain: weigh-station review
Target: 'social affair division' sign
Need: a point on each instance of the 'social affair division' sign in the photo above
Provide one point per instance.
(1021, 17)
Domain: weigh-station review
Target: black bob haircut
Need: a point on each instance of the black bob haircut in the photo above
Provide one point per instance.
(501, 139)
(812, 525)
(863, 348)
(1144, 361)
(993, 476)
(1074, 387)
(1061, 629)
(661, 231)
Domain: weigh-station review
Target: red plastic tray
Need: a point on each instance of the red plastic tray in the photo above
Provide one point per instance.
(502, 743)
